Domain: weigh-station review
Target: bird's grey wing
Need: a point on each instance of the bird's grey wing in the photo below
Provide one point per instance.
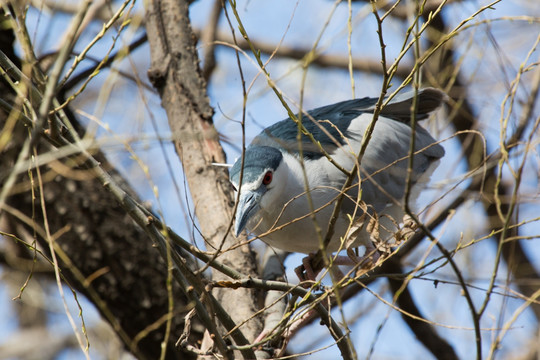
(399, 108)
(327, 125)
(386, 161)
(384, 164)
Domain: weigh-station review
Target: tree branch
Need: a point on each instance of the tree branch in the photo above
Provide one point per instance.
(111, 264)
(176, 75)
(443, 71)
(425, 333)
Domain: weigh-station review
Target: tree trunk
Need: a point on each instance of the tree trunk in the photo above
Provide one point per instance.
(176, 75)
(111, 259)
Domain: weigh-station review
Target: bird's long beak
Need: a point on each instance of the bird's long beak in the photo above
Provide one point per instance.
(248, 205)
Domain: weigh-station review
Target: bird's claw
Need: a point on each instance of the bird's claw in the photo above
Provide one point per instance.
(305, 272)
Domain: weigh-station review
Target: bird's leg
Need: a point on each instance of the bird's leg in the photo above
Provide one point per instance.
(309, 315)
(367, 261)
(307, 274)
(310, 274)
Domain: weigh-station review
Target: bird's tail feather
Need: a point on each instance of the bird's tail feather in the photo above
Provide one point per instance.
(428, 100)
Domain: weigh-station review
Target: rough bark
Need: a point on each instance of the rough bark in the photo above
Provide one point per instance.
(102, 243)
(176, 75)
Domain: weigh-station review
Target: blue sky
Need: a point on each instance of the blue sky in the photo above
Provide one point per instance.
(484, 57)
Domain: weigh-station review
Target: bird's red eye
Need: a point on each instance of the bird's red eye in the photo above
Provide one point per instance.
(267, 179)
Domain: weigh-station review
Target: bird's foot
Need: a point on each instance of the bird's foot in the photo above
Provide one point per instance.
(262, 336)
(305, 272)
(366, 262)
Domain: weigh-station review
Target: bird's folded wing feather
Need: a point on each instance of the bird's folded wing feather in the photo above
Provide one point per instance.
(384, 164)
(329, 125)
(339, 129)
(427, 101)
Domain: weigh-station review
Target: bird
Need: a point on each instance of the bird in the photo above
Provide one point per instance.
(288, 183)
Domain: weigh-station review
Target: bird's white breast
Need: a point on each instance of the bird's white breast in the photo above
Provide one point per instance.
(285, 219)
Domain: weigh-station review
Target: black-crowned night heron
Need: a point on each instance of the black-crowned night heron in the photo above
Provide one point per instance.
(287, 178)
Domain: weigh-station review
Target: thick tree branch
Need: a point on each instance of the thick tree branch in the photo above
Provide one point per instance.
(111, 260)
(425, 333)
(176, 75)
(367, 65)
(210, 37)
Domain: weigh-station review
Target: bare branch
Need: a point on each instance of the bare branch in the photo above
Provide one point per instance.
(425, 333)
